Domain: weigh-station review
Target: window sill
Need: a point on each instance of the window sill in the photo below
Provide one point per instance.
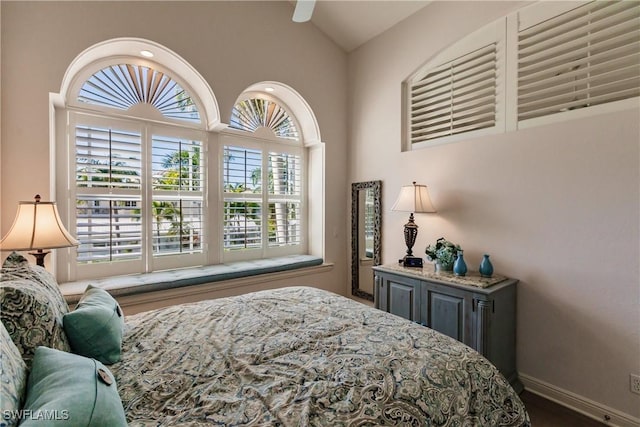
(120, 286)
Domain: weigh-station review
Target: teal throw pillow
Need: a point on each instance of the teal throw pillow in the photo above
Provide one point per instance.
(94, 328)
(64, 389)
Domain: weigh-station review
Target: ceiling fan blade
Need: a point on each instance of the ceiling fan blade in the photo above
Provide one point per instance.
(303, 10)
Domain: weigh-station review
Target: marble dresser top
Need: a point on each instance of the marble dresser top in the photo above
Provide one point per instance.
(472, 278)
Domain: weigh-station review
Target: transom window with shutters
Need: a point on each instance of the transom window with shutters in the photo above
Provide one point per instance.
(571, 58)
(565, 60)
(458, 92)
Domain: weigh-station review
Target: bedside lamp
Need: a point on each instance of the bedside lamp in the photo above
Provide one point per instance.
(415, 199)
(37, 226)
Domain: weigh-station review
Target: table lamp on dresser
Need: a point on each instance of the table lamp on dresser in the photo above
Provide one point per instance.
(413, 198)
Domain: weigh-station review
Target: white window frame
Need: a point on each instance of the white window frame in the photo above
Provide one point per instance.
(265, 144)
(148, 261)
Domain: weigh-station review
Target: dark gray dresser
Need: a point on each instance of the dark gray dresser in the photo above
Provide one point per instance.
(478, 311)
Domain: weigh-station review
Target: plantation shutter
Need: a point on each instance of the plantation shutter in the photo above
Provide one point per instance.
(458, 93)
(107, 158)
(108, 168)
(455, 97)
(242, 207)
(251, 114)
(125, 85)
(586, 56)
(285, 173)
(178, 196)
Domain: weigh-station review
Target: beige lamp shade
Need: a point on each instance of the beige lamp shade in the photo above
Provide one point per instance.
(414, 198)
(37, 226)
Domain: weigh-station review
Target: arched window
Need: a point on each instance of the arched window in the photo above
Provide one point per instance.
(139, 186)
(251, 114)
(263, 181)
(122, 86)
(149, 179)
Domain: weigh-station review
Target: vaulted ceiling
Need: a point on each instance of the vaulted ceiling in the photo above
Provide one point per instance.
(351, 23)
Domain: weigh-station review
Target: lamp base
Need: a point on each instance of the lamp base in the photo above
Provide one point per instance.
(39, 255)
(411, 261)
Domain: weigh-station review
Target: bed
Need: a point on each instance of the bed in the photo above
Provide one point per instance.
(300, 356)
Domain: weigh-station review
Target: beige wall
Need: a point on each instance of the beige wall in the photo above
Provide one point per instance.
(556, 206)
(231, 44)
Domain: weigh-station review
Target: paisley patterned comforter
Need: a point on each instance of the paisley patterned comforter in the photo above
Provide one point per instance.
(303, 357)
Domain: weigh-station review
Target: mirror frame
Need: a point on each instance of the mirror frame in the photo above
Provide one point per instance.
(376, 186)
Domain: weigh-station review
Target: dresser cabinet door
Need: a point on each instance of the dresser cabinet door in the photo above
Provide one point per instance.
(448, 311)
(398, 295)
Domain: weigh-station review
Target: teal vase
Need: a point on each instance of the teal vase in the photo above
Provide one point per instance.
(459, 266)
(486, 268)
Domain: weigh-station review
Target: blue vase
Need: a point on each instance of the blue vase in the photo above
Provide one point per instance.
(486, 268)
(459, 266)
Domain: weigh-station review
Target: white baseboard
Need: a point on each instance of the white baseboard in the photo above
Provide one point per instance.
(591, 409)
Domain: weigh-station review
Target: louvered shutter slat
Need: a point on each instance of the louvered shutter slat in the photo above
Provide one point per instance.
(455, 97)
(604, 66)
(242, 207)
(436, 101)
(433, 96)
(284, 199)
(623, 76)
(107, 158)
(434, 124)
(550, 61)
(431, 86)
(108, 228)
(571, 104)
(177, 195)
(572, 32)
(587, 56)
(123, 86)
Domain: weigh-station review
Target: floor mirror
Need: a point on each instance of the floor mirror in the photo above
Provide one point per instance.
(366, 240)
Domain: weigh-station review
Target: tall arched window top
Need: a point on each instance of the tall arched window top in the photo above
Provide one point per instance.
(255, 113)
(290, 103)
(93, 62)
(123, 86)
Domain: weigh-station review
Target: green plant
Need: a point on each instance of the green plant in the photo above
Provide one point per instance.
(443, 252)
